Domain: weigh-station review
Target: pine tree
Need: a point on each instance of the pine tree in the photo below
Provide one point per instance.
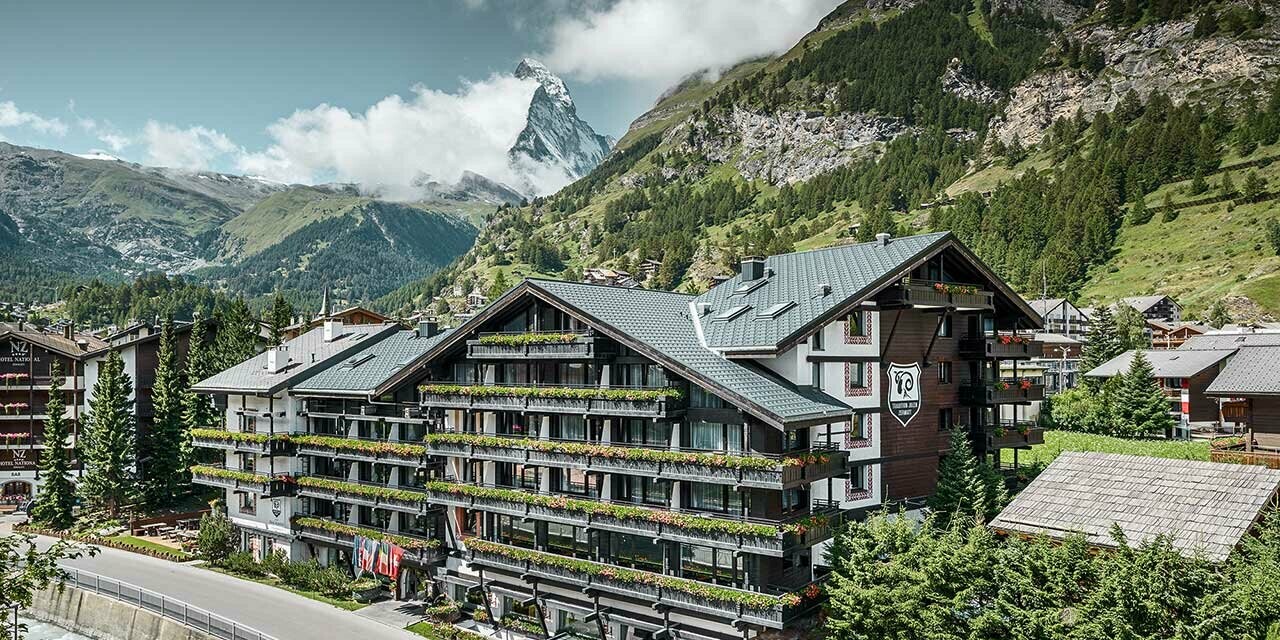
(1139, 214)
(1198, 185)
(960, 490)
(197, 410)
(279, 317)
(1141, 406)
(108, 439)
(1102, 344)
(1228, 185)
(1254, 186)
(237, 339)
(499, 285)
(162, 461)
(58, 495)
(1217, 315)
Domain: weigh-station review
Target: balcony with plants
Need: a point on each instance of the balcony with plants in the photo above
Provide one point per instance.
(241, 442)
(267, 485)
(1014, 434)
(384, 451)
(765, 471)
(533, 345)
(649, 402)
(1003, 346)
(420, 549)
(1007, 391)
(368, 494)
(750, 536)
(764, 608)
(912, 292)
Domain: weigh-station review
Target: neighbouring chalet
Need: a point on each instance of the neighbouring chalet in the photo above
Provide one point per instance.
(631, 463)
(1061, 316)
(350, 316)
(1172, 335)
(1249, 389)
(1157, 307)
(26, 357)
(1205, 508)
(1183, 374)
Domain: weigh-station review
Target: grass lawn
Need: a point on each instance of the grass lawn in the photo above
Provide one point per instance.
(147, 544)
(441, 631)
(1055, 442)
(341, 603)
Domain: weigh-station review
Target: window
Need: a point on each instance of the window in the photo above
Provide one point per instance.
(569, 428)
(575, 481)
(248, 503)
(641, 489)
(795, 499)
(568, 540)
(775, 310)
(855, 375)
(709, 565)
(731, 313)
(858, 478)
(945, 419)
(944, 372)
(249, 424)
(854, 324)
(944, 327)
(641, 431)
(712, 436)
(640, 552)
(514, 532)
(247, 462)
(705, 400)
(713, 497)
(815, 374)
(816, 341)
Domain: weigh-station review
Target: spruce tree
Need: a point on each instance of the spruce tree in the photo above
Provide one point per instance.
(163, 463)
(58, 495)
(1228, 185)
(1198, 185)
(1102, 344)
(1141, 406)
(1217, 315)
(237, 339)
(1131, 329)
(108, 440)
(960, 490)
(197, 410)
(279, 317)
(1254, 186)
(1139, 213)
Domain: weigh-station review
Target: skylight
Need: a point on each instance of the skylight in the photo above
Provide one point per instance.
(748, 286)
(775, 310)
(731, 313)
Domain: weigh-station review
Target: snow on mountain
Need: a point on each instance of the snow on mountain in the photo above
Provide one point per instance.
(556, 146)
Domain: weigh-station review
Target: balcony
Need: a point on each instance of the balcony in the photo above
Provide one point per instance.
(925, 293)
(1010, 435)
(624, 402)
(533, 346)
(376, 451)
(241, 480)
(785, 471)
(366, 494)
(241, 442)
(419, 550)
(722, 531)
(1001, 347)
(773, 611)
(1002, 392)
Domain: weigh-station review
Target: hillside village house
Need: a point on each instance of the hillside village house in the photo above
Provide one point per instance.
(1171, 335)
(1183, 374)
(550, 458)
(1249, 389)
(353, 315)
(26, 357)
(1060, 316)
(1157, 307)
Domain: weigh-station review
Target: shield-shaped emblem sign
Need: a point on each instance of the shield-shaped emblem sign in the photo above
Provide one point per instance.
(904, 391)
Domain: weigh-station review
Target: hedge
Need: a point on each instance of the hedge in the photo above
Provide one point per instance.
(175, 556)
(566, 393)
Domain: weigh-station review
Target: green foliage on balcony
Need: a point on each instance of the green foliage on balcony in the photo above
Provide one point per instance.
(230, 474)
(563, 393)
(236, 436)
(368, 491)
(605, 451)
(618, 511)
(370, 447)
(748, 599)
(522, 339)
(340, 528)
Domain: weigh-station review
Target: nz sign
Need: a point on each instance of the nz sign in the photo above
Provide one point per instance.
(904, 391)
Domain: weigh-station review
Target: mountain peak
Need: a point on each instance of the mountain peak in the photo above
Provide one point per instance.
(530, 69)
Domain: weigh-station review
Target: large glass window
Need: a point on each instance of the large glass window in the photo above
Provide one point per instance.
(569, 428)
(575, 481)
(514, 532)
(638, 552)
(641, 489)
(709, 565)
(712, 436)
(646, 432)
(703, 496)
(701, 399)
(568, 540)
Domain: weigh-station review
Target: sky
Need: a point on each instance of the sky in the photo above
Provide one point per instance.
(375, 91)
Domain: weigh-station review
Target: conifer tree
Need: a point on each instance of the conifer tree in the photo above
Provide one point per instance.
(108, 440)
(237, 339)
(961, 490)
(197, 410)
(1102, 344)
(1228, 185)
(1254, 185)
(1141, 406)
(279, 317)
(1131, 329)
(1198, 185)
(162, 460)
(1217, 315)
(1139, 214)
(57, 497)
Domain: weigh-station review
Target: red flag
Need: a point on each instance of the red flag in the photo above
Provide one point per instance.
(397, 556)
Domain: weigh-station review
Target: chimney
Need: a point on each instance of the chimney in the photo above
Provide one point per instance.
(68, 331)
(277, 359)
(752, 268)
(83, 343)
(332, 330)
(882, 239)
(428, 327)
(824, 290)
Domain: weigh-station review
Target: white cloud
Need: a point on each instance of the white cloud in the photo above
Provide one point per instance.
(115, 141)
(12, 116)
(666, 40)
(191, 148)
(399, 141)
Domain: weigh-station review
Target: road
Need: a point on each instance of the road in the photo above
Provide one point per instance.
(272, 611)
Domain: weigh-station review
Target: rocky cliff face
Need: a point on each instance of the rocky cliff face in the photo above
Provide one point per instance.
(1163, 57)
(554, 140)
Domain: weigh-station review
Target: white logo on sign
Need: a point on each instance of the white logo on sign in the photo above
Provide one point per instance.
(904, 391)
(17, 348)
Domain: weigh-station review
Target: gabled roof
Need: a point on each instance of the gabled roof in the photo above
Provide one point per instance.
(1230, 341)
(1143, 303)
(55, 342)
(1251, 371)
(1165, 363)
(1043, 306)
(853, 272)
(309, 354)
(366, 369)
(658, 324)
(1055, 338)
(1205, 507)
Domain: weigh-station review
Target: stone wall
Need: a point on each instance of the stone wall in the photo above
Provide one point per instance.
(103, 618)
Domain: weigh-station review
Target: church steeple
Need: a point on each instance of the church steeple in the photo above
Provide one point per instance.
(324, 304)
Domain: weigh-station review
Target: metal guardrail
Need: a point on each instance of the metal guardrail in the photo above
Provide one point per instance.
(185, 614)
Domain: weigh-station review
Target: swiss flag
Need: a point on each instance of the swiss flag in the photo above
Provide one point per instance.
(397, 555)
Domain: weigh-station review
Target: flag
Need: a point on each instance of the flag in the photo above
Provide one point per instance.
(397, 555)
(357, 547)
(384, 559)
(369, 555)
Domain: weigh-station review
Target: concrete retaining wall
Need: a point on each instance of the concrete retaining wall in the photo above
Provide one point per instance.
(104, 618)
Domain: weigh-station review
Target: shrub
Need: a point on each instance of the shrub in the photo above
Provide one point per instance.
(217, 538)
(242, 563)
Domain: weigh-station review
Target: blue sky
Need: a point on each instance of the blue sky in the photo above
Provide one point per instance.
(285, 88)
